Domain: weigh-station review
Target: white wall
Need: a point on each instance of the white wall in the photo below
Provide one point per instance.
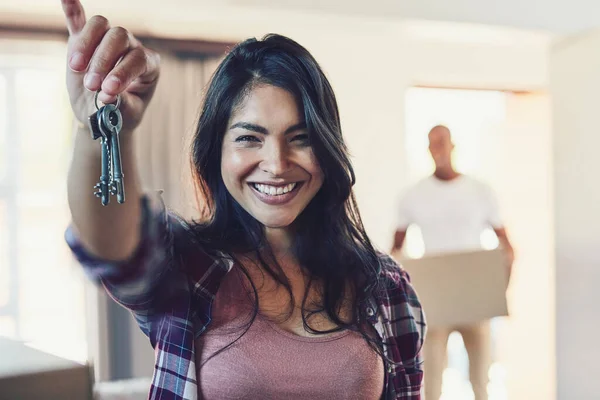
(484, 57)
(557, 16)
(520, 168)
(575, 83)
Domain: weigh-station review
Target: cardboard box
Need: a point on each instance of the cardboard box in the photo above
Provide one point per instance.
(30, 374)
(460, 288)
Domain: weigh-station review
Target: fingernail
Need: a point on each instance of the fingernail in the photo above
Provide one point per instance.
(77, 62)
(92, 81)
(111, 84)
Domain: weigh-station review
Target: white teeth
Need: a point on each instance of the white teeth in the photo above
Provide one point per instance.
(274, 191)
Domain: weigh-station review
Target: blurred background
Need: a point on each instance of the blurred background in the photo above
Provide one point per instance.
(516, 82)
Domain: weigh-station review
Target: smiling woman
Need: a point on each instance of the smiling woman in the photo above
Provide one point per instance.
(270, 165)
(278, 292)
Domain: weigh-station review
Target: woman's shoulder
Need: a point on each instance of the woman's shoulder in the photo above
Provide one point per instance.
(190, 251)
(391, 272)
(402, 313)
(396, 291)
(193, 250)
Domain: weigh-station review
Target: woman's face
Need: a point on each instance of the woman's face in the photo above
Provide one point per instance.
(267, 163)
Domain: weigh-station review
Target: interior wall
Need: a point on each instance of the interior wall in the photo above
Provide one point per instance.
(520, 166)
(506, 66)
(575, 84)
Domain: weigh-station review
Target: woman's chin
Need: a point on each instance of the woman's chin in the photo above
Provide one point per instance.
(277, 223)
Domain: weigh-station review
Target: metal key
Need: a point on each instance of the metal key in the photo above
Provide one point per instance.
(105, 124)
(111, 122)
(102, 187)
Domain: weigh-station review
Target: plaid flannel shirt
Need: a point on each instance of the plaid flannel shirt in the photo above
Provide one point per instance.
(170, 282)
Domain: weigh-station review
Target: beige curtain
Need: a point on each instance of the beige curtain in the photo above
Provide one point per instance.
(164, 137)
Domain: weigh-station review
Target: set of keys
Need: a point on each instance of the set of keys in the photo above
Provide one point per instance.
(105, 124)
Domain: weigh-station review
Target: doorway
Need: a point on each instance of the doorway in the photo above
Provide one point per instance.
(504, 139)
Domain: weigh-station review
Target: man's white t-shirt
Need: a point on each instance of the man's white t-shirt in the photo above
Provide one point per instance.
(451, 214)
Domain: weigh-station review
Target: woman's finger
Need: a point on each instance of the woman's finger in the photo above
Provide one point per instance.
(140, 65)
(114, 46)
(74, 14)
(84, 45)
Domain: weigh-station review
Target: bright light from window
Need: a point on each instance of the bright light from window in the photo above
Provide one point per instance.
(41, 288)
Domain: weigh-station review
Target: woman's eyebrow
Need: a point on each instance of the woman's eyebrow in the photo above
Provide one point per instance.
(250, 127)
(261, 129)
(297, 127)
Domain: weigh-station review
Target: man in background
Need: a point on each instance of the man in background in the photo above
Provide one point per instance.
(452, 210)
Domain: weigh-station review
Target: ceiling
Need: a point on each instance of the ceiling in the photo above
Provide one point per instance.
(555, 16)
(551, 16)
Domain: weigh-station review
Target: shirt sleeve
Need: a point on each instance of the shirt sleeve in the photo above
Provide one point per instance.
(417, 326)
(133, 282)
(494, 217)
(407, 328)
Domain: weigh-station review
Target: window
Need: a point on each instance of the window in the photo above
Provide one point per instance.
(41, 288)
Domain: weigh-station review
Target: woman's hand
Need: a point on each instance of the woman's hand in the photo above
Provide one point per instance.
(110, 59)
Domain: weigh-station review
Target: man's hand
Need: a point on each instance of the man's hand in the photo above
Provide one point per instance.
(508, 250)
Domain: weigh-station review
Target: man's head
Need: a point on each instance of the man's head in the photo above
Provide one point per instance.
(441, 146)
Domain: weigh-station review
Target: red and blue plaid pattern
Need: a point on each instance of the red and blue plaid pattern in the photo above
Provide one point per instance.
(169, 283)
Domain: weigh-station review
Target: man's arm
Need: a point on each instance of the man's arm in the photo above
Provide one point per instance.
(495, 221)
(399, 237)
(507, 247)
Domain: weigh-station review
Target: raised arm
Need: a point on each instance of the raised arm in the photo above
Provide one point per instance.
(110, 59)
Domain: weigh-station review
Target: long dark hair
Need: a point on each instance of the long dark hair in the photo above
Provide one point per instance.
(330, 242)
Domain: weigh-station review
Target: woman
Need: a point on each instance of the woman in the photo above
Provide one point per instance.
(278, 292)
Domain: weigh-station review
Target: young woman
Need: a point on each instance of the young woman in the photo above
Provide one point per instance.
(278, 293)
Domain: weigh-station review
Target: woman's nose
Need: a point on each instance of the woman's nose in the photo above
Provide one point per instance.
(275, 159)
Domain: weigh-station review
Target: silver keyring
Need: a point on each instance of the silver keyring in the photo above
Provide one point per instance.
(105, 119)
(96, 100)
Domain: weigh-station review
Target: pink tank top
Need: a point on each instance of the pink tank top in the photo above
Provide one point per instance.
(270, 363)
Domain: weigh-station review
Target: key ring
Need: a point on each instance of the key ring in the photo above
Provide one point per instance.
(96, 100)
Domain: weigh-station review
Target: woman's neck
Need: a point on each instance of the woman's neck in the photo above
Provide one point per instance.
(446, 174)
(280, 241)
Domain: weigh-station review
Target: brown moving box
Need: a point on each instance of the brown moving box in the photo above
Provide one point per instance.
(460, 288)
(30, 374)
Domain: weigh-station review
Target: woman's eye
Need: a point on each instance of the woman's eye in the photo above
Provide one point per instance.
(247, 138)
(303, 138)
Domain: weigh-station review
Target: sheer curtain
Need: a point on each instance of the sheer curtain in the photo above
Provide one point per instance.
(41, 291)
(165, 135)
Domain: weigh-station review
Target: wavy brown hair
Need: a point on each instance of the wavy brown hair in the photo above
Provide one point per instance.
(330, 243)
